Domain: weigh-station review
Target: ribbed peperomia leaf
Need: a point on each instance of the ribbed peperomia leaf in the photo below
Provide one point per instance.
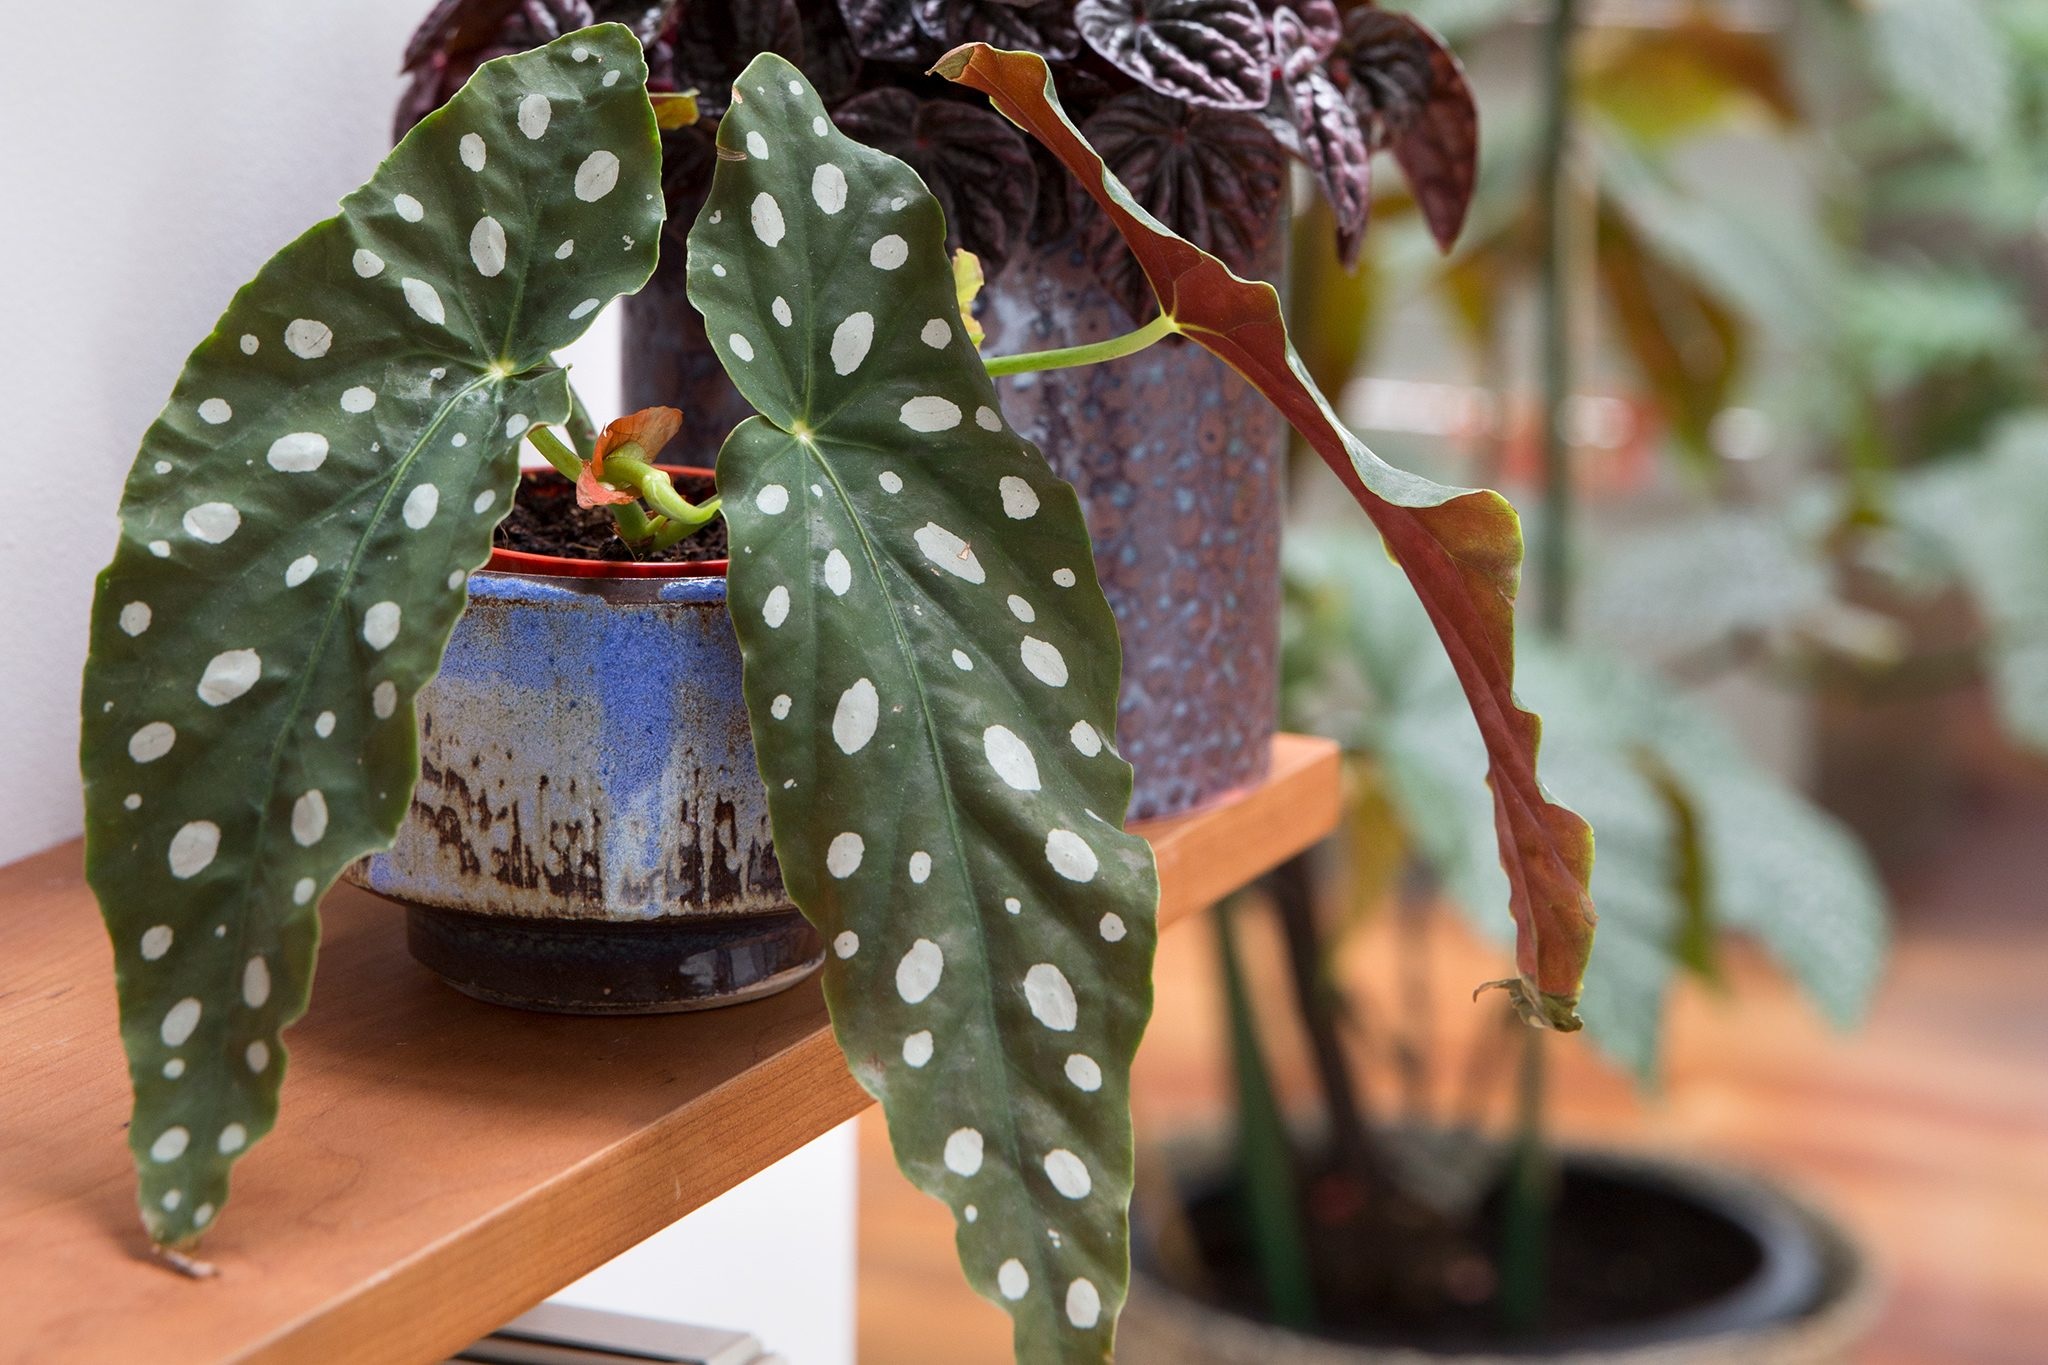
(1460, 548)
(295, 536)
(931, 669)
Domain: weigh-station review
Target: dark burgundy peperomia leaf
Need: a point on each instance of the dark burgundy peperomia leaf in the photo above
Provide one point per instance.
(1319, 21)
(1326, 130)
(974, 162)
(1462, 549)
(1216, 177)
(714, 42)
(1410, 94)
(1042, 26)
(886, 30)
(1210, 52)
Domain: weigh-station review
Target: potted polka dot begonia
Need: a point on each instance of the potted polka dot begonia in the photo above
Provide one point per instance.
(930, 664)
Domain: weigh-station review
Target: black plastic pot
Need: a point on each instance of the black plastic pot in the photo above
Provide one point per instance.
(1805, 1294)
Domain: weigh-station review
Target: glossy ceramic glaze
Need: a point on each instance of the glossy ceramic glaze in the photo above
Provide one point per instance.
(587, 766)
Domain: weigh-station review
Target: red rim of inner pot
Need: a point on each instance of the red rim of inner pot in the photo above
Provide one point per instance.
(558, 566)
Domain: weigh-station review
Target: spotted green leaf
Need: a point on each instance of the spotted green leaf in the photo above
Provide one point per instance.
(931, 669)
(294, 540)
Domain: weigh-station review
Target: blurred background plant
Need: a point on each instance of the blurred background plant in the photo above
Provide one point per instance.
(1746, 317)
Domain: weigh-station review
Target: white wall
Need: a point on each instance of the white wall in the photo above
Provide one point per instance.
(152, 156)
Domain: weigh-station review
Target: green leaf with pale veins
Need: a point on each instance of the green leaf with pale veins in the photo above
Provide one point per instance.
(295, 536)
(931, 669)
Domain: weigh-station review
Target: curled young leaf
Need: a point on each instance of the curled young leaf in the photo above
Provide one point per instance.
(931, 671)
(973, 160)
(1210, 52)
(1215, 177)
(1461, 549)
(1410, 94)
(639, 434)
(1326, 130)
(295, 536)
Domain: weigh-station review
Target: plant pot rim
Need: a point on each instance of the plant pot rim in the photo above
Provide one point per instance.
(1843, 1309)
(526, 564)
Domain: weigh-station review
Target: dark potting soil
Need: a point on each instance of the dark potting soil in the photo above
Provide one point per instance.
(545, 520)
(1387, 1272)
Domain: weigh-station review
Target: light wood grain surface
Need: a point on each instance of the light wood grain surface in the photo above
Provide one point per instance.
(1926, 1130)
(441, 1165)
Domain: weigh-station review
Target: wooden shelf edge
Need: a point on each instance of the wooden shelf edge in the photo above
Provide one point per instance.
(767, 1079)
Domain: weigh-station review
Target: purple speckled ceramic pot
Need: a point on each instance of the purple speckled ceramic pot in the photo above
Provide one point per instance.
(1178, 463)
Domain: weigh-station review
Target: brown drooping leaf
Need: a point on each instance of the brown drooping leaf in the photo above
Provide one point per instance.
(1685, 342)
(1326, 128)
(1042, 26)
(1410, 93)
(975, 164)
(1212, 52)
(1214, 176)
(1461, 549)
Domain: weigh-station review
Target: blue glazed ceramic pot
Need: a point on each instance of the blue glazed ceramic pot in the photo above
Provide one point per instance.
(590, 833)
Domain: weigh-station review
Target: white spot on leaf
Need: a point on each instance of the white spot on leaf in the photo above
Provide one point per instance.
(472, 151)
(843, 855)
(1020, 499)
(828, 187)
(255, 983)
(920, 867)
(361, 398)
(917, 1048)
(767, 219)
(1021, 609)
(384, 699)
(307, 339)
(179, 1022)
(299, 452)
(152, 741)
(424, 300)
(1063, 577)
(420, 506)
(1044, 661)
(775, 608)
(1083, 1072)
(838, 573)
(228, 675)
(156, 942)
(380, 625)
(1068, 1173)
(215, 411)
(1112, 928)
(597, 176)
(213, 522)
(299, 570)
(854, 720)
(1085, 738)
(534, 112)
(1084, 1304)
(368, 263)
(847, 944)
(1011, 758)
(985, 418)
(1013, 1279)
(487, 247)
(1070, 856)
(850, 342)
(171, 1143)
(740, 346)
(949, 552)
(408, 208)
(1051, 998)
(309, 818)
(936, 333)
(929, 412)
(963, 1151)
(889, 253)
(135, 618)
(780, 308)
(757, 146)
(917, 975)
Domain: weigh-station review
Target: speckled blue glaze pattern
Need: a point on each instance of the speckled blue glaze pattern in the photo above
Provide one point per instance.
(585, 755)
(1178, 462)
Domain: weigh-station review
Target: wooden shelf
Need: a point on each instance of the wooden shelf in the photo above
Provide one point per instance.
(441, 1165)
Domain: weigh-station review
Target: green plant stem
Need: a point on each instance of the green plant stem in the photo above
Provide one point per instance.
(567, 462)
(1525, 1219)
(1091, 354)
(659, 492)
(1265, 1157)
(1554, 546)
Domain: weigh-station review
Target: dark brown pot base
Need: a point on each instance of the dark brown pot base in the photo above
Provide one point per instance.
(563, 966)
